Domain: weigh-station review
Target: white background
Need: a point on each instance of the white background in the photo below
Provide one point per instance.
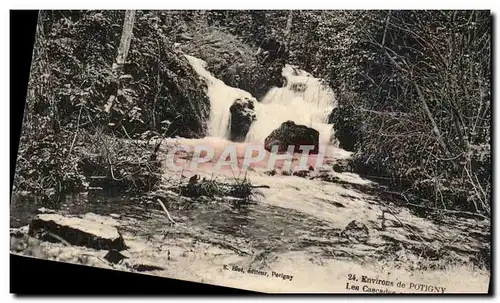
(190, 4)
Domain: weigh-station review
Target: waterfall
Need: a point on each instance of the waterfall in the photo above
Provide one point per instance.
(304, 100)
(221, 98)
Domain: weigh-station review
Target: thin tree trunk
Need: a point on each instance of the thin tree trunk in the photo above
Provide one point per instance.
(123, 48)
(288, 30)
(427, 111)
(127, 33)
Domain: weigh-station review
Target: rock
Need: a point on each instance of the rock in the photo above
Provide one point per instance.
(114, 256)
(324, 169)
(356, 231)
(19, 232)
(43, 210)
(235, 62)
(91, 230)
(115, 216)
(242, 117)
(146, 267)
(290, 133)
(342, 165)
(329, 177)
(270, 172)
(301, 173)
(346, 128)
(333, 117)
(298, 87)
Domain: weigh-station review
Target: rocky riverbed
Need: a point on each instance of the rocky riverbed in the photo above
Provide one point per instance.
(306, 232)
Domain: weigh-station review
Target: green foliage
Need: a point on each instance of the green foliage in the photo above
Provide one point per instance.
(71, 83)
(421, 85)
(163, 86)
(44, 168)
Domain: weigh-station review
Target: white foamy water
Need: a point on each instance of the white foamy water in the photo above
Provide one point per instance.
(221, 98)
(303, 100)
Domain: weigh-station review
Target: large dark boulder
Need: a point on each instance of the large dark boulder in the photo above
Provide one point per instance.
(290, 133)
(242, 116)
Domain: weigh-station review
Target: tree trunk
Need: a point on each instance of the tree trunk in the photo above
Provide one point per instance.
(128, 26)
(288, 30)
(123, 48)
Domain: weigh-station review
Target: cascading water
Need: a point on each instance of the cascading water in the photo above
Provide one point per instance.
(221, 98)
(304, 100)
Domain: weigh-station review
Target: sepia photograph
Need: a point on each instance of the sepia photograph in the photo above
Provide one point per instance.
(274, 151)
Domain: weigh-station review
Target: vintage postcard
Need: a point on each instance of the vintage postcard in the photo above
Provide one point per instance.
(278, 151)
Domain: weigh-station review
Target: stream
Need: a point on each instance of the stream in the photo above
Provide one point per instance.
(294, 227)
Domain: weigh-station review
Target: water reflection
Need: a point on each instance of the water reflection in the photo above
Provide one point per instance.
(260, 226)
(24, 207)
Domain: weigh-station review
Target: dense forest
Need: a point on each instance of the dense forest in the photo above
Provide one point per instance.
(413, 88)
